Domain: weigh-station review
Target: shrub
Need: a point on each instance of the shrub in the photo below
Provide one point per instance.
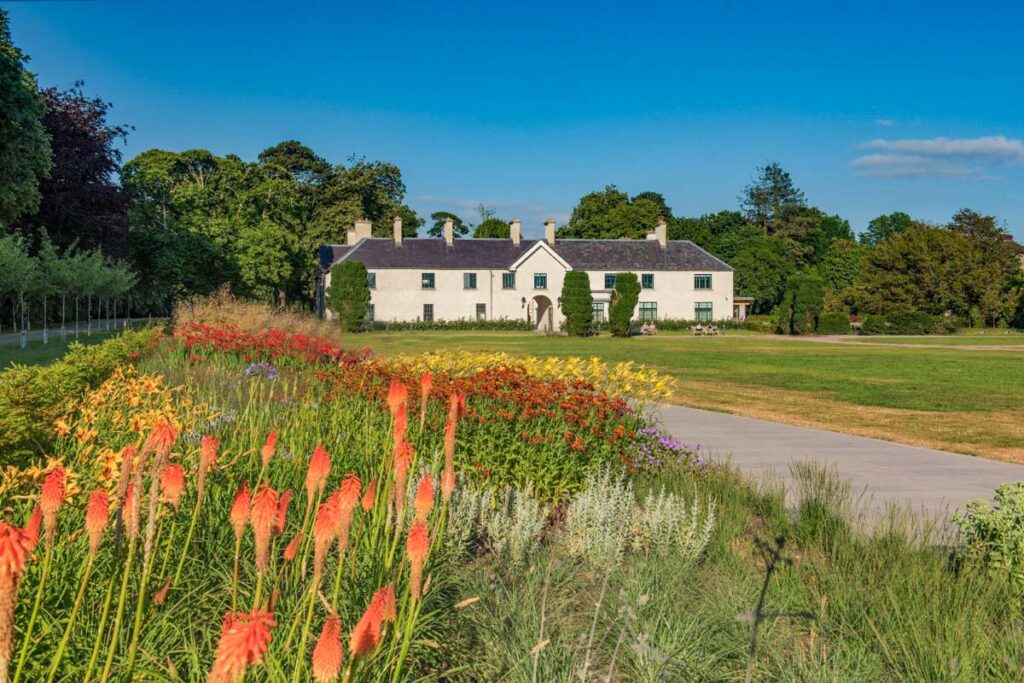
(874, 324)
(624, 300)
(577, 303)
(834, 323)
(349, 294)
(802, 303)
(33, 397)
(993, 533)
(915, 322)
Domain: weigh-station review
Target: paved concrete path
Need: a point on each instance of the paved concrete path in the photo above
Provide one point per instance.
(935, 482)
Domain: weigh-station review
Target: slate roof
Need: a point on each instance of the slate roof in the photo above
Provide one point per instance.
(498, 254)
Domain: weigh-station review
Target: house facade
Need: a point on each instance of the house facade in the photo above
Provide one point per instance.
(443, 278)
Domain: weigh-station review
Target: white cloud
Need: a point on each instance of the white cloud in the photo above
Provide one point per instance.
(939, 157)
(885, 123)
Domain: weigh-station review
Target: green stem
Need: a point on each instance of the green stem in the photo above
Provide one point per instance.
(119, 614)
(300, 661)
(27, 640)
(71, 619)
(140, 602)
(99, 631)
(188, 540)
(234, 581)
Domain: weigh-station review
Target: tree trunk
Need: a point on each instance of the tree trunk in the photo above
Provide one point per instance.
(63, 308)
(24, 334)
(88, 315)
(46, 331)
(76, 316)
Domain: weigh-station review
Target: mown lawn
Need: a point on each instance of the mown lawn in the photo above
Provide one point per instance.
(38, 353)
(961, 399)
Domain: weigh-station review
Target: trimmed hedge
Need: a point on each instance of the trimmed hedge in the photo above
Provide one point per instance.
(916, 322)
(874, 324)
(502, 324)
(32, 397)
(834, 323)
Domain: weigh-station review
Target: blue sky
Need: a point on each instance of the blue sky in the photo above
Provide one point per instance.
(525, 107)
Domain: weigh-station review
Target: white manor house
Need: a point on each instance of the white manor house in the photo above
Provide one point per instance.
(444, 278)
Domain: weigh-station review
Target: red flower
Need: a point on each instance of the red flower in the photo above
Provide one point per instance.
(417, 546)
(243, 642)
(268, 448)
(316, 474)
(172, 484)
(327, 654)
(97, 515)
(51, 500)
(240, 510)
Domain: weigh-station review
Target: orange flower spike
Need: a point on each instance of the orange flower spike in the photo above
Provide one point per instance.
(172, 484)
(456, 409)
(210, 445)
(243, 642)
(161, 438)
(370, 496)
(269, 447)
(397, 394)
(324, 532)
(51, 499)
(316, 474)
(426, 383)
(160, 597)
(292, 549)
(366, 633)
(385, 600)
(348, 501)
(32, 528)
(328, 654)
(240, 510)
(14, 553)
(263, 519)
(282, 511)
(424, 501)
(97, 516)
(417, 546)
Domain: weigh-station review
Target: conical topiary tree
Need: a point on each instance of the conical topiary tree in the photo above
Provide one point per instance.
(577, 303)
(624, 300)
(349, 294)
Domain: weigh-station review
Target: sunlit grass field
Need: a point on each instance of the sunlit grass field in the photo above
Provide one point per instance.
(960, 399)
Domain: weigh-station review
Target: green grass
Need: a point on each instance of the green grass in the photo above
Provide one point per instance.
(955, 399)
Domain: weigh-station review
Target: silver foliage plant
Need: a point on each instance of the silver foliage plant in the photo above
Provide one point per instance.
(603, 522)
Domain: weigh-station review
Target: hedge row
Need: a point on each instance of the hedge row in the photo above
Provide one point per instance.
(908, 322)
(33, 397)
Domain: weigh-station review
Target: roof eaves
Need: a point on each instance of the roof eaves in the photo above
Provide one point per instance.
(725, 266)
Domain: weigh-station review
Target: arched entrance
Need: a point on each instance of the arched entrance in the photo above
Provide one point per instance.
(543, 314)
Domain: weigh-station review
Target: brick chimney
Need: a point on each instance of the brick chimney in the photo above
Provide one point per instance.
(363, 229)
(549, 231)
(661, 232)
(515, 231)
(398, 231)
(449, 232)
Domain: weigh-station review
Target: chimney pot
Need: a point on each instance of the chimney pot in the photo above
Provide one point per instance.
(398, 231)
(363, 229)
(449, 232)
(549, 231)
(515, 231)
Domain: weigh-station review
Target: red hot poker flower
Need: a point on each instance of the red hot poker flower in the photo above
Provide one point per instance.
(240, 510)
(161, 438)
(384, 599)
(397, 394)
(209, 451)
(456, 408)
(424, 501)
(263, 519)
(172, 484)
(292, 549)
(426, 382)
(32, 528)
(14, 553)
(319, 469)
(282, 511)
(50, 500)
(243, 643)
(97, 516)
(327, 654)
(269, 447)
(366, 633)
(370, 496)
(417, 546)
(324, 532)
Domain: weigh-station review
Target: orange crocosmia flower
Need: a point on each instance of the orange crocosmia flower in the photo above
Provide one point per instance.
(263, 518)
(240, 510)
(424, 501)
(32, 527)
(417, 546)
(316, 474)
(366, 633)
(370, 496)
(243, 642)
(51, 499)
(292, 549)
(97, 516)
(282, 511)
(327, 654)
(387, 605)
(268, 447)
(172, 484)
